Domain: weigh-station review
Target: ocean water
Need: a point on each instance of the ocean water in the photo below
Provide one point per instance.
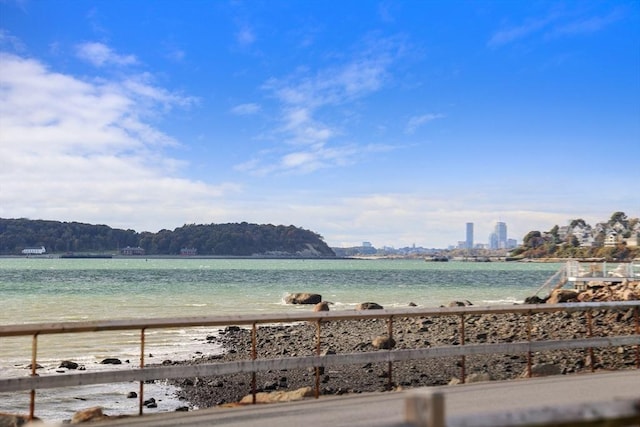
(59, 290)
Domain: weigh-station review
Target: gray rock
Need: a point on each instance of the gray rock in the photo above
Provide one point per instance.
(369, 306)
(303, 298)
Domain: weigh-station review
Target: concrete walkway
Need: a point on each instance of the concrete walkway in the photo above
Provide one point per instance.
(388, 409)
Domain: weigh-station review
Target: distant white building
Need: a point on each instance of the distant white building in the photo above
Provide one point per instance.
(34, 251)
(611, 239)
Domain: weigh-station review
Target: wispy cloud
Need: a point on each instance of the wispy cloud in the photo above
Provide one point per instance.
(418, 121)
(245, 109)
(588, 24)
(555, 24)
(310, 102)
(11, 41)
(91, 146)
(100, 55)
(245, 35)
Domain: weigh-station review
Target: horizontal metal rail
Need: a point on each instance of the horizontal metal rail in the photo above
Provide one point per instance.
(145, 373)
(260, 365)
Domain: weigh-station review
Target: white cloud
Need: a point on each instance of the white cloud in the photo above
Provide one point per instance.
(555, 24)
(100, 54)
(588, 24)
(13, 42)
(417, 121)
(245, 36)
(83, 150)
(245, 109)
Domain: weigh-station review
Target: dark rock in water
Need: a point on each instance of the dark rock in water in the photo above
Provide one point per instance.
(132, 395)
(111, 361)
(369, 306)
(182, 409)
(535, 300)
(68, 364)
(303, 298)
(460, 303)
(150, 403)
(38, 366)
(562, 295)
(413, 304)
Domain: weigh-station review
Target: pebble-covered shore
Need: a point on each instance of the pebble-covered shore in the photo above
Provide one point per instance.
(355, 336)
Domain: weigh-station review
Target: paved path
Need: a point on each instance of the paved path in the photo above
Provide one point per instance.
(387, 409)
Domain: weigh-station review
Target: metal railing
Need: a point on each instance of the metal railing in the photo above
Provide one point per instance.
(146, 373)
(603, 269)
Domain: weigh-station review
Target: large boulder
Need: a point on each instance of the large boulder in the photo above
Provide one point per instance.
(303, 298)
(460, 303)
(369, 306)
(88, 415)
(542, 370)
(279, 396)
(383, 342)
(534, 300)
(68, 364)
(562, 295)
(321, 306)
(15, 420)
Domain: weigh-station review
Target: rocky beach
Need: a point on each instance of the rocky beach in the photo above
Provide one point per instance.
(408, 333)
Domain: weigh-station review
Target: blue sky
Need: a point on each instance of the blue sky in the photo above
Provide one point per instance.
(393, 122)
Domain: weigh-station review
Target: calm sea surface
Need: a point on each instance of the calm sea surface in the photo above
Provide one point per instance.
(56, 290)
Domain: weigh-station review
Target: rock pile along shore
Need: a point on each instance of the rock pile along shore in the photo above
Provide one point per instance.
(408, 333)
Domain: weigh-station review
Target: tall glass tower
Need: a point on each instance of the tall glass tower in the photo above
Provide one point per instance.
(469, 242)
(501, 234)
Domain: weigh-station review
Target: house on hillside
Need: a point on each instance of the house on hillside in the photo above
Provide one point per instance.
(132, 251)
(633, 241)
(34, 251)
(611, 239)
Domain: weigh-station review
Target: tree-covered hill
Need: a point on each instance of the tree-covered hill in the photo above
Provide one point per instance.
(236, 239)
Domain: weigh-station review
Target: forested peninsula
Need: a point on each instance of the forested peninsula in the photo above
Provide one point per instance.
(233, 239)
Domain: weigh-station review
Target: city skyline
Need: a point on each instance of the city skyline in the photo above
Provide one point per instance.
(383, 121)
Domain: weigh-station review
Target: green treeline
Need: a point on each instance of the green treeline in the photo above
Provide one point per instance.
(615, 239)
(237, 239)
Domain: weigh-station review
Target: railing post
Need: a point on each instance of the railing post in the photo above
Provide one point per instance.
(34, 357)
(589, 335)
(390, 364)
(254, 356)
(317, 388)
(463, 358)
(425, 408)
(141, 391)
(636, 317)
(529, 355)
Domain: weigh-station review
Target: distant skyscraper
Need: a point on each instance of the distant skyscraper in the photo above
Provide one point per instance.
(469, 235)
(501, 234)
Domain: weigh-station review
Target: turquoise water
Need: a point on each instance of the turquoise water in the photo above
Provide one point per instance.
(37, 290)
(55, 290)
